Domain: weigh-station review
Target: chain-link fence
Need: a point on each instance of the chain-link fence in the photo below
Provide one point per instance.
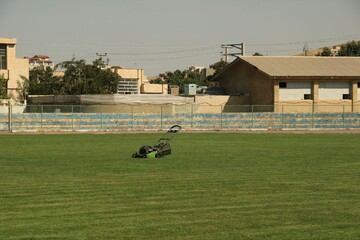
(159, 117)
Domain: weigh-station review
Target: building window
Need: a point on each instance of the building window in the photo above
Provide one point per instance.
(282, 84)
(128, 86)
(307, 96)
(346, 96)
(3, 64)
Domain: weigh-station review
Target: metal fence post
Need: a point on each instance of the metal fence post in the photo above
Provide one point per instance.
(117, 122)
(161, 117)
(343, 116)
(252, 116)
(282, 116)
(41, 117)
(312, 120)
(221, 117)
(132, 117)
(72, 117)
(101, 121)
(10, 118)
(192, 114)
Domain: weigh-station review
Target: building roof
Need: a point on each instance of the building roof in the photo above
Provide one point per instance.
(40, 56)
(7, 40)
(39, 59)
(306, 66)
(295, 66)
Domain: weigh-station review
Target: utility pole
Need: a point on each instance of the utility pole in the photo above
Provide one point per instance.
(306, 49)
(237, 46)
(101, 58)
(226, 54)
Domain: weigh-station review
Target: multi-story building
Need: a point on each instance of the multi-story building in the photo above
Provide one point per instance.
(40, 60)
(205, 72)
(335, 50)
(134, 82)
(131, 80)
(12, 69)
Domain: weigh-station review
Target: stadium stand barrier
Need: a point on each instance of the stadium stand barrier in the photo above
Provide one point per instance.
(33, 118)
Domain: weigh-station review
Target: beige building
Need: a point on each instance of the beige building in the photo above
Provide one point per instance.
(40, 60)
(12, 68)
(205, 72)
(134, 82)
(295, 84)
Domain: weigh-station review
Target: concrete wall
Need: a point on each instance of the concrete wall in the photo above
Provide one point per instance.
(295, 91)
(322, 106)
(242, 79)
(53, 99)
(149, 88)
(110, 99)
(325, 99)
(217, 100)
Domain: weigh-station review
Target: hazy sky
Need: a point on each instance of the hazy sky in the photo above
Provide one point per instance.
(165, 35)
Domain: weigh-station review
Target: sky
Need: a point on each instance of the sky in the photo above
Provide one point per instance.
(166, 35)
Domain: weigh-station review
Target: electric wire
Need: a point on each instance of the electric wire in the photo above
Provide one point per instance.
(144, 54)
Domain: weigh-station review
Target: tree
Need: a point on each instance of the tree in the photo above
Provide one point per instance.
(219, 66)
(73, 80)
(350, 49)
(180, 78)
(100, 62)
(107, 81)
(257, 54)
(81, 78)
(325, 52)
(175, 78)
(42, 81)
(3, 87)
(194, 76)
(23, 88)
(158, 81)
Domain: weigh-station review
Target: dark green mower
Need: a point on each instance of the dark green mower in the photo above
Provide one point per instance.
(161, 148)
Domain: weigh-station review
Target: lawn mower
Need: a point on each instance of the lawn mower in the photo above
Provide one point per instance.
(161, 147)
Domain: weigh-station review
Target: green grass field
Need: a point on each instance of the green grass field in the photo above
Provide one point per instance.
(213, 186)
